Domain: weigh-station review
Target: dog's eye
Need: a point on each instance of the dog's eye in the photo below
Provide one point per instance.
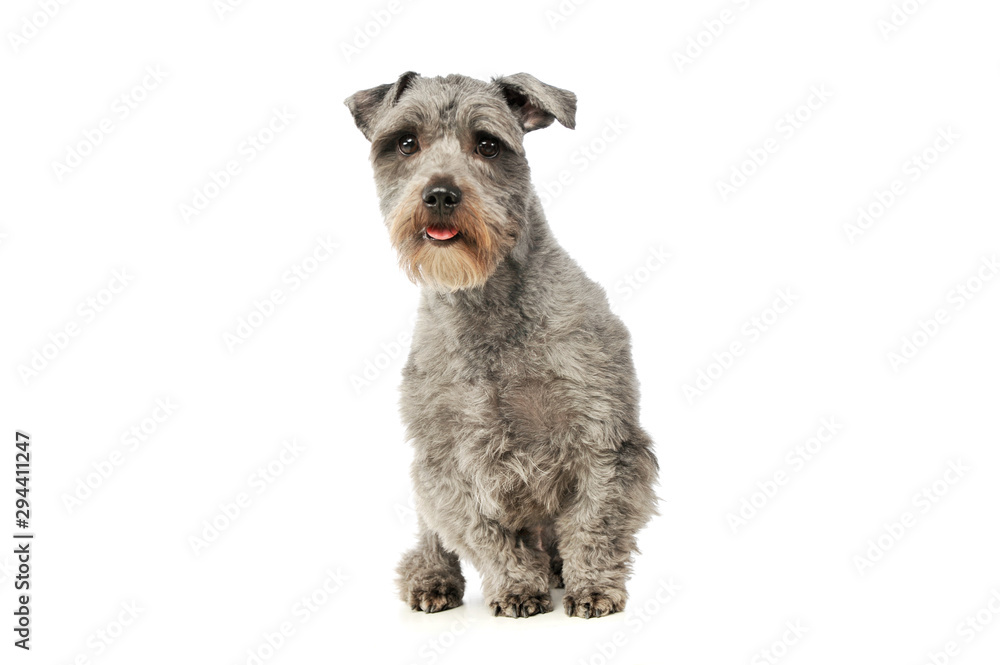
(407, 144)
(488, 147)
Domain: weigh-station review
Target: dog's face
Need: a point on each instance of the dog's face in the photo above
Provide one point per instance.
(450, 169)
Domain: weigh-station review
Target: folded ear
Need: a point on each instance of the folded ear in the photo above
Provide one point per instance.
(537, 104)
(367, 105)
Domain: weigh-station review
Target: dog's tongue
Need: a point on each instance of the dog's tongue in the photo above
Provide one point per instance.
(442, 232)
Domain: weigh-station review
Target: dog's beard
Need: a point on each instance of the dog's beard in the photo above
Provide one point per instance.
(466, 260)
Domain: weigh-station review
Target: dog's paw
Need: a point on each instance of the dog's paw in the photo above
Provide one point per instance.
(521, 605)
(436, 599)
(592, 603)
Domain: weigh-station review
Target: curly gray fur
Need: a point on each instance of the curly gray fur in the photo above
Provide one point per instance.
(519, 393)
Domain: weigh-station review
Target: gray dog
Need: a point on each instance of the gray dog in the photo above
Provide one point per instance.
(519, 392)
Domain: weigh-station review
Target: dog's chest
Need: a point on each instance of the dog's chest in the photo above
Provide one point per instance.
(524, 462)
(502, 425)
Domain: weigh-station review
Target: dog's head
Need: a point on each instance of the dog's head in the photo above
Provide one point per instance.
(450, 169)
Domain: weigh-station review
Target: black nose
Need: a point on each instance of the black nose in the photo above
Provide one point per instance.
(442, 197)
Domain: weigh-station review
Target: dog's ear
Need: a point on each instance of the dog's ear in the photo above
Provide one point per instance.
(537, 104)
(367, 105)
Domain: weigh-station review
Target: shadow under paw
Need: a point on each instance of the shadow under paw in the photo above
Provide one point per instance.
(590, 605)
(437, 599)
(521, 605)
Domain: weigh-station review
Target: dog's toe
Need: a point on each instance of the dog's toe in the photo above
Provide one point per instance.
(521, 605)
(436, 599)
(593, 604)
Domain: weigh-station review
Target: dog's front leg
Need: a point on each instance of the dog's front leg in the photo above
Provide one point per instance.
(596, 533)
(430, 577)
(515, 572)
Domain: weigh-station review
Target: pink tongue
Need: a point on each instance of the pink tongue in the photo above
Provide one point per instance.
(438, 233)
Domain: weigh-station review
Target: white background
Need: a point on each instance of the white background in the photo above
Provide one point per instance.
(672, 131)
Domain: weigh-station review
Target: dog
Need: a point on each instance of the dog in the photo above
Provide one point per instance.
(519, 392)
